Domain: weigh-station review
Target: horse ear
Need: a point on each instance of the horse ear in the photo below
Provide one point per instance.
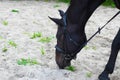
(57, 21)
(61, 13)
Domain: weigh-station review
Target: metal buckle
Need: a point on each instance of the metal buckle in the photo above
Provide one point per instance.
(68, 57)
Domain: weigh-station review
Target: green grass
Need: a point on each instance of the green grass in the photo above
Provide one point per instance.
(15, 11)
(89, 74)
(36, 35)
(46, 0)
(70, 68)
(42, 50)
(86, 47)
(66, 1)
(94, 48)
(42, 39)
(12, 43)
(5, 23)
(45, 39)
(109, 3)
(4, 49)
(56, 6)
(90, 47)
(28, 61)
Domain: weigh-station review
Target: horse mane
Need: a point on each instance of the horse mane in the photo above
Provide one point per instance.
(80, 11)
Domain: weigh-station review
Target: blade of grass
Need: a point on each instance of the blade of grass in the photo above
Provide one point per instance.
(45, 39)
(89, 74)
(4, 49)
(86, 47)
(36, 35)
(93, 47)
(12, 43)
(5, 23)
(22, 62)
(28, 61)
(42, 50)
(15, 11)
(55, 6)
(70, 68)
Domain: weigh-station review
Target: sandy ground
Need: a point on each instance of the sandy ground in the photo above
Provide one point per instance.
(33, 17)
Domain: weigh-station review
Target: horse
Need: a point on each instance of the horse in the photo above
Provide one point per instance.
(71, 37)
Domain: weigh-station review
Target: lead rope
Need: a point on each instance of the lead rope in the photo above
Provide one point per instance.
(99, 29)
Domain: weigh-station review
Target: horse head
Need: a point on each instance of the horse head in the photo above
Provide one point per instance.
(69, 40)
(71, 36)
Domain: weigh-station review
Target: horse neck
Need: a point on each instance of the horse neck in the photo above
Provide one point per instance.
(80, 11)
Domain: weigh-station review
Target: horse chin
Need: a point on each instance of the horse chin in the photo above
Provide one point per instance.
(61, 62)
(64, 65)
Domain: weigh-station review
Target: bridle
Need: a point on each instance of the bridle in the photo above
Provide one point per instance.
(64, 52)
(67, 55)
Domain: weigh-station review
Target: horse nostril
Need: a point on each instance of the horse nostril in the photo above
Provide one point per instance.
(62, 62)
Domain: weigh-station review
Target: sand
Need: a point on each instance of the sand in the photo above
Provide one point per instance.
(33, 17)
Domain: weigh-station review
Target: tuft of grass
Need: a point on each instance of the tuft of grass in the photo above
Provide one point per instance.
(15, 11)
(45, 39)
(55, 6)
(70, 68)
(36, 35)
(86, 47)
(28, 61)
(109, 3)
(93, 47)
(65, 1)
(46, 0)
(42, 50)
(4, 49)
(90, 47)
(89, 74)
(12, 43)
(5, 23)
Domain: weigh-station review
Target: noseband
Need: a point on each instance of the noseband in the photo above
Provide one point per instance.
(64, 52)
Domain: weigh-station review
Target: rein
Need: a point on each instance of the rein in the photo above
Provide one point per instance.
(69, 56)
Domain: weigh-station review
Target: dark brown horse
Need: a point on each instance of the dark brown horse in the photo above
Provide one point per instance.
(71, 37)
